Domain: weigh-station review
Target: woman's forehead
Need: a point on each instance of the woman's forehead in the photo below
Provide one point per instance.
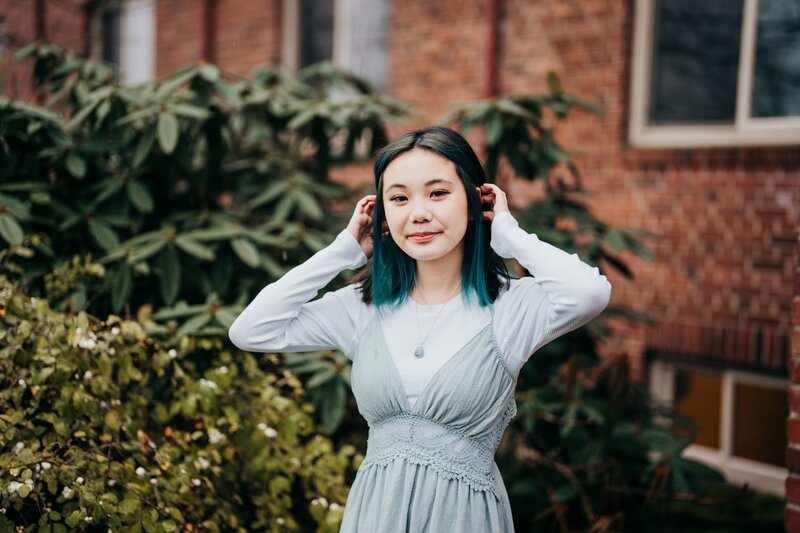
(419, 169)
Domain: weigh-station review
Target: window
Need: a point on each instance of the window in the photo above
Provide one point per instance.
(715, 73)
(740, 418)
(349, 33)
(123, 34)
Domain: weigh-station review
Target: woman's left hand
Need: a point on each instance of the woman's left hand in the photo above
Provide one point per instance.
(493, 195)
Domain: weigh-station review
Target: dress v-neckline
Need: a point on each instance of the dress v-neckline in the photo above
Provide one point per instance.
(398, 379)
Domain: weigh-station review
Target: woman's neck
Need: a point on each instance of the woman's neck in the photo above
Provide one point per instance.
(436, 282)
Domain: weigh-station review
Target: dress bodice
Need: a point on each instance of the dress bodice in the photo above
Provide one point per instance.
(457, 421)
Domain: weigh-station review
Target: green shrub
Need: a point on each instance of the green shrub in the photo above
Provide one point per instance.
(103, 426)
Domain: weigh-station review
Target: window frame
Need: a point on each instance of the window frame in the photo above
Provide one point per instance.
(290, 42)
(745, 131)
(764, 476)
(124, 67)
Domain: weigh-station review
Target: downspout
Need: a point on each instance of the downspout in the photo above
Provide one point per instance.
(209, 30)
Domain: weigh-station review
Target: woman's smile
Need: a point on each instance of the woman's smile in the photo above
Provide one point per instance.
(423, 236)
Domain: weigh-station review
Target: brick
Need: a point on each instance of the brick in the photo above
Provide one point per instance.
(793, 488)
(792, 518)
(793, 458)
(793, 430)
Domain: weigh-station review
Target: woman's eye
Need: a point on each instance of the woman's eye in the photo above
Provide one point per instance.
(441, 191)
(393, 198)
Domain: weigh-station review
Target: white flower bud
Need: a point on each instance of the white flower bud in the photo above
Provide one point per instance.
(79, 480)
(172, 353)
(115, 330)
(196, 482)
(140, 472)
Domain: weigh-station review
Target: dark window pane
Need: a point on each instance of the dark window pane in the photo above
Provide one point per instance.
(316, 31)
(695, 61)
(698, 396)
(110, 23)
(759, 424)
(776, 75)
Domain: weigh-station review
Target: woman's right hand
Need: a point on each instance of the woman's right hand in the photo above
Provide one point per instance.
(360, 225)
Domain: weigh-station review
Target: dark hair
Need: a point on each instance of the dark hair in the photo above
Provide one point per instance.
(389, 276)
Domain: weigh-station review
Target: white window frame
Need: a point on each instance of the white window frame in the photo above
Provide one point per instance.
(137, 40)
(290, 45)
(342, 35)
(745, 131)
(766, 477)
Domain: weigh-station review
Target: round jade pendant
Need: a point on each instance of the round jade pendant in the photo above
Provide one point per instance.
(419, 352)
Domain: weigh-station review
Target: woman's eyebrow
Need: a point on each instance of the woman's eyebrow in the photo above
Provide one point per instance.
(427, 183)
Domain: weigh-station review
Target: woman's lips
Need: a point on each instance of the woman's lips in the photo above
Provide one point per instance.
(424, 238)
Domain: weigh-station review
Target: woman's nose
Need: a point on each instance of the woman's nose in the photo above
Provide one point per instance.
(420, 211)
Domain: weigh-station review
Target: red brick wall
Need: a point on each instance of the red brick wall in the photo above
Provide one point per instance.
(179, 26)
(64, 25)
(727, 216)
(246, 33)
(793, 449)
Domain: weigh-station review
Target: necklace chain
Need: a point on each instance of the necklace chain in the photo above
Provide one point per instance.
(420, 350)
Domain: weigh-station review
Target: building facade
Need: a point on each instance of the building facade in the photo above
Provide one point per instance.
(699, 144)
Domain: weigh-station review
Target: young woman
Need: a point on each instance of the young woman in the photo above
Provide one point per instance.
(436, 329)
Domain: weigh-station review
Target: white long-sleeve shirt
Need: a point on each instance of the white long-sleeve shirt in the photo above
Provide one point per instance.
(564, 294)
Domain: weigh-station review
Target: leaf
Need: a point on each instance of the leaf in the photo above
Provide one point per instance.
(553, 82)
(170, 275)
(190, 111)
(144, 147)
(120, 287)
(321, 378)
(146, 251)
(193, 325)
(226, 317)
(194, 248)
(247, 252)
(494, 129)
(104, 235)
(333, 408)
(76, 166)
(140, 196)
(167, 132)
(10, 230)
(309, 205)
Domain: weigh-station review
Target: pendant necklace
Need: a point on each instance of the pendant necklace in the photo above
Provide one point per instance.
(420, 351)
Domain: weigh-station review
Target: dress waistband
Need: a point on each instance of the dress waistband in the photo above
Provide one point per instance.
(422, 441)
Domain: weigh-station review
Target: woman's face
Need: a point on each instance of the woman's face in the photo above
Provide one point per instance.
(422, 193)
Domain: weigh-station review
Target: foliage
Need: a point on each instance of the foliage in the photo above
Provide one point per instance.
(102, 425)
(192, 192)
(178, 186)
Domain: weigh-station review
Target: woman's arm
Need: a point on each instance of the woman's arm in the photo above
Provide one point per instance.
(564, 294)
(281, 318)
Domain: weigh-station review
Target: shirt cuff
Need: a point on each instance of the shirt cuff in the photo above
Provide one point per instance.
(349, 247)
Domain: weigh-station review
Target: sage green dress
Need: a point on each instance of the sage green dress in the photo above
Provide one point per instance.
(431, 468)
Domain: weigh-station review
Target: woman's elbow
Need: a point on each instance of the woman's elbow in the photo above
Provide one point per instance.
(237, 336)
(600, 295)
